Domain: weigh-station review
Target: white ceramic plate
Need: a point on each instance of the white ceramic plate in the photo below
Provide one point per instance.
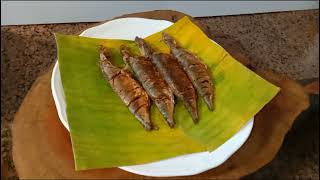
(191, 164)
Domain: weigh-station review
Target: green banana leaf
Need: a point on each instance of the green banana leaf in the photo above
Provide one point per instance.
(105, 134)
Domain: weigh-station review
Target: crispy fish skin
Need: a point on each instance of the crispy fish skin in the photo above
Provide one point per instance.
(197, 71)
(178, 81)
(128, 89)
(152, 82)
(174, 75)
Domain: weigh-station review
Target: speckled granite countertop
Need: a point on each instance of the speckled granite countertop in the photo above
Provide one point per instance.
(286, 42)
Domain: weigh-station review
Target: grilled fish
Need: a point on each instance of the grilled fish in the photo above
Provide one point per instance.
(152, 82)
(128, 89)
(174, 75)
(196, 70)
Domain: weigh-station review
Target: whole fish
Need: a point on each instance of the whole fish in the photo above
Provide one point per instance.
(128, 89)
(197, 71)
(174, 75)
(152, 82)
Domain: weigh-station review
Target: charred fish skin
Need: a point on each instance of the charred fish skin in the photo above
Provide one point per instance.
(152, 82)
(196, 70)
(174, 75)
(178, 81)
(128, 89)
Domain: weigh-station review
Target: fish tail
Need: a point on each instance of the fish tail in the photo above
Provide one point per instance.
(191, 106)
(166, 107)
(208, 100)
(143, 115)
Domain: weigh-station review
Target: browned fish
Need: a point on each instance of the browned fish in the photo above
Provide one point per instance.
(174, 75)
(197, 71)
(152, 82)
(128, 89)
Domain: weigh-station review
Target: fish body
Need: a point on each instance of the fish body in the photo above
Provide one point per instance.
(196, 70)
(127, 88)
(152, 82)
(174, 75)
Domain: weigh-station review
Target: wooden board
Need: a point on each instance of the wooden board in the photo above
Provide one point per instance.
(42, 148)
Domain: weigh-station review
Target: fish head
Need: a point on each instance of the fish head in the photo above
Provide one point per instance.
(125, 51)
(106, 66)
(105, 54)
(169, 40)
(144, 48)
(126, 54)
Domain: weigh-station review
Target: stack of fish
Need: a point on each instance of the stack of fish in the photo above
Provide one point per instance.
(159, 76)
